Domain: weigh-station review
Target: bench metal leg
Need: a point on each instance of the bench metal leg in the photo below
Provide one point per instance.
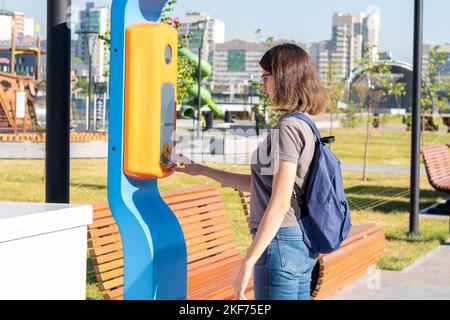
(439, 208)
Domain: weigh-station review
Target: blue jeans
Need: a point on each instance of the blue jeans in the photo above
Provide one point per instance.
(283, 272)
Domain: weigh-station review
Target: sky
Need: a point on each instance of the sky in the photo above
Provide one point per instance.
(299, 20)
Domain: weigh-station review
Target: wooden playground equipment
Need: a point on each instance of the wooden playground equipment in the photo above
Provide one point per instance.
(10, 85)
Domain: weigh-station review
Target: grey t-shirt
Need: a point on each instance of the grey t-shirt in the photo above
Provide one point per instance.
(291, 140)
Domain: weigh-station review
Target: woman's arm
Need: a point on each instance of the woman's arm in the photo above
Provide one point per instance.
(227, 179)
(280, 201)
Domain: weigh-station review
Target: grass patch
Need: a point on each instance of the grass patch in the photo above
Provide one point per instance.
(386, 147)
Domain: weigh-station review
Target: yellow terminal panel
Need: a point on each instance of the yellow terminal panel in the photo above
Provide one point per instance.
(150, 94)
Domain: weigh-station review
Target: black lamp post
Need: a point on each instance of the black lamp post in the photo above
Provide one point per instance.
(415, 122)
(200, 48)
(57, 145)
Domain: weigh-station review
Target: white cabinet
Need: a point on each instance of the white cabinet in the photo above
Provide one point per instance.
(43, 250)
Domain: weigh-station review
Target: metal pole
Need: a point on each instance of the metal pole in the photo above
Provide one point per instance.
(89, 84)
(104, 112)
(95, 112)
(199, 100)
(87, 114)
(57, 151)
(415, 123)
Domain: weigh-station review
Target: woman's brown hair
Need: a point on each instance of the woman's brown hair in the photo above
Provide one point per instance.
(297, 83)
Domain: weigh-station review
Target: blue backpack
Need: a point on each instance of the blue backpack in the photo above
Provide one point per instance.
(325, 219)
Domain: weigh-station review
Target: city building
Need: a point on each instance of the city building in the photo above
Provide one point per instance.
(352, 35)
(320, 53)
(214, 33)
(5, 25)
(444, 70)
(236, 63)
(24, 27)
(94, 21)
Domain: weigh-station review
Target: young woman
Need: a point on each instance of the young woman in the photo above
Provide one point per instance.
(281, 261)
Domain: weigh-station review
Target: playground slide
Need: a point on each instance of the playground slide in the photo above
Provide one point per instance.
(188, 111)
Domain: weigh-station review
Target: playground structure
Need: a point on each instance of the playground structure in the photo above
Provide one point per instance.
(188, 110)
(17, 102)
(18, 94)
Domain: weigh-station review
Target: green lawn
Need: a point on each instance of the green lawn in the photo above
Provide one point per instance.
(383, 199)
(387, 147)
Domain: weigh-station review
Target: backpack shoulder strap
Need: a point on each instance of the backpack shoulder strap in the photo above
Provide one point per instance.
(308, 120)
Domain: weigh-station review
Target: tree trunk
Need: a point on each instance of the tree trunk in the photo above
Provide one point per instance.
(422, 130)
(331, 128)
(366, 146)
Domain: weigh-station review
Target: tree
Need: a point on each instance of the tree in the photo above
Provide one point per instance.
(261, 108)
(379, 81)
(336, 90)
(432, 100)
(398, 89)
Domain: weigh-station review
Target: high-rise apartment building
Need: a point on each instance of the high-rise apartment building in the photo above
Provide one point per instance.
(94, 21)
(352, 35)
(320, 53)
(5, 25)
(214, 33)
(24, 27)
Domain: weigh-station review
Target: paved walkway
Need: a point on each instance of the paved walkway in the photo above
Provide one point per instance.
(426, 279)
(380, 169)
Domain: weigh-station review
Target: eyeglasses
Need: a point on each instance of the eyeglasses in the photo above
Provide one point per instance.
(266, 76)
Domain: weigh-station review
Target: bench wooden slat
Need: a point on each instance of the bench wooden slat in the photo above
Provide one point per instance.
(192, 233)
(185, 213)
(109, 266)
(107, 257)
(92, 233)
(356, 253)
(208, 246)
(102, 213)
(210, 252)
(115, 294)
(204, 196)
(194, 203)
(218, 260)
(107, 249)
(103, 222)
(112, 274)
(207, 278)
(101, 241)
(204, 227)
(332, 284)
(209, 240)
(107, 285)
(201, 217)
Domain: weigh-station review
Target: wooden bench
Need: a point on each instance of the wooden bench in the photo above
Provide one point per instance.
(362, 249)
(436, 159)
(213, 257)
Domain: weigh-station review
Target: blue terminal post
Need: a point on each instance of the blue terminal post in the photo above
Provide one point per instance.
(154, 248)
